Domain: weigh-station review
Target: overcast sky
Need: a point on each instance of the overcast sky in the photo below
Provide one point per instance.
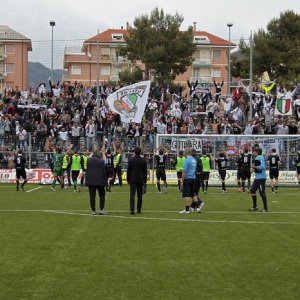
(80, 19)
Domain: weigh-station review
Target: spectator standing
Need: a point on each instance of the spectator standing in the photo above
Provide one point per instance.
(22, 138)
(75, 135)
(282, 129)
(63, 138)
(90, 130)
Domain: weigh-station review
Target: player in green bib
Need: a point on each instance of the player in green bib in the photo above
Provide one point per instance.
(206, 163)
(178, 163)
(118, 164)
(57, 166)
(76, 164)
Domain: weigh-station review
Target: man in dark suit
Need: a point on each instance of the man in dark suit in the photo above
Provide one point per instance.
(136, 178)
(96, 181)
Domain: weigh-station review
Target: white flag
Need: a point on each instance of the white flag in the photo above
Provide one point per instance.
(130, 101)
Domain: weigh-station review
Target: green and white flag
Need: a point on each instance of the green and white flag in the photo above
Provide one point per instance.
(283, 105)
(130, 101)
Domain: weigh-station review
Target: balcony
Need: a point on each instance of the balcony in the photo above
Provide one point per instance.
(114, 60)
(3, 56)
(202, 63)
(2, 74)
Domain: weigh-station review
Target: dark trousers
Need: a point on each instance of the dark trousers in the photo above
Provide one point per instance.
(118, 171)
(101, 193)
(136, 187)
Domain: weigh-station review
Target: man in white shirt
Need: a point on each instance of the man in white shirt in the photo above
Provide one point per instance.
(152, 106)
(75, 135)
(63, 138)
(282, 129)
(211, 107)
(161, 127)
(249, 128)
(90, 130)
(22, 137)
(176, 111)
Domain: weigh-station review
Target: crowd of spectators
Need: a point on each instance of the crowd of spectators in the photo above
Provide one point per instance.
(69, 114)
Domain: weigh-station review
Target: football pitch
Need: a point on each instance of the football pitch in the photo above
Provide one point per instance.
(52, 248)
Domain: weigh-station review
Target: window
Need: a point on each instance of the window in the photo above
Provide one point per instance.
(76, 70)
(10, 68)
(105, 70)
(216, 53)
(216, 73)
(10, 49)
(104, 51)
(117, 37)
(201, 39)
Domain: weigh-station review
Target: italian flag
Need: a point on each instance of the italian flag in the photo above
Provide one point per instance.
(283, 107)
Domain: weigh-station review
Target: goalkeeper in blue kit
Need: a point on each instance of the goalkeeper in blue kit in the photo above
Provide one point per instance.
(259, 183)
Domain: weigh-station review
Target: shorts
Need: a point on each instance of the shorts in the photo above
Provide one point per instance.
(238, 174)
(161, 174)
(298, 170)
(57, 171)
(206, 175)
(21, 173)
(189, 188)
(274, 173)
(179, 175)
(109, 173)
(75, 174)
(258, 184)
(222, 174)
(246, 174)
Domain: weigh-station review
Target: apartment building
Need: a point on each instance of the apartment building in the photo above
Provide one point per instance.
(211, 59)
(14, 49)
(82, 63)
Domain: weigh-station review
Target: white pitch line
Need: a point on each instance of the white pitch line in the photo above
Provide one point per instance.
(151, 211)
(178, 220)
(33, 189)
(157, 219)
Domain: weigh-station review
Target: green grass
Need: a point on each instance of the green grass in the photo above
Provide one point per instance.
(52, 248)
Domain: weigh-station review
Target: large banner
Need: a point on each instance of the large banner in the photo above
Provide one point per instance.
(235, 145)
(130, 101)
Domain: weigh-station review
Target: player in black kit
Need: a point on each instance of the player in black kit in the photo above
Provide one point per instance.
(238, 164)
(108, 157)
(274, 162)
(20, 165)
(160, 160)
(246, 158)
(222, 167)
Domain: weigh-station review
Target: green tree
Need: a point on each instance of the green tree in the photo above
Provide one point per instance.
(157, 41)
(131, 77)
(275, 51)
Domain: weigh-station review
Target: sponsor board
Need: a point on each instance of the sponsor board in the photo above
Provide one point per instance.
(44, 176)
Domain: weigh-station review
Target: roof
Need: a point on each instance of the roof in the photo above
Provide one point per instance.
(214, 40)
(8, 34)
(106, 37)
